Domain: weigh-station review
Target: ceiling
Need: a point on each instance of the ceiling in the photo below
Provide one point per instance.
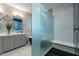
(26, 7)
(54, 5)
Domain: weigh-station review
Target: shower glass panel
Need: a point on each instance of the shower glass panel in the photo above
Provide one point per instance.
(42, 29)
(76, 28)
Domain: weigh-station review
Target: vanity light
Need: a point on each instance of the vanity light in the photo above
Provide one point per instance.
(1, 10)
(18, 14)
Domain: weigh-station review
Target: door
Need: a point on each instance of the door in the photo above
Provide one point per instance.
(8, 43)
(76, 27)
(42, 29)
(20, 40)
(17, 41)
(23, 39)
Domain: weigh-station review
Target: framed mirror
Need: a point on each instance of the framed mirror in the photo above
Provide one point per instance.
(1, 16)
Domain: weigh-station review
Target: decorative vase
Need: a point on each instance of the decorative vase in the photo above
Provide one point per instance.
(8, 32)
(8, 27)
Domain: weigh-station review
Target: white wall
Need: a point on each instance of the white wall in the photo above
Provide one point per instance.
(26, 20)
(63, 22)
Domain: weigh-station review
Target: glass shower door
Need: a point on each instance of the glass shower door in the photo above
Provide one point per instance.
(76, 28)
(42, 29)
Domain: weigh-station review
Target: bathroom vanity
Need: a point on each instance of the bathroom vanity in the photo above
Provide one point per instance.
(12, 41)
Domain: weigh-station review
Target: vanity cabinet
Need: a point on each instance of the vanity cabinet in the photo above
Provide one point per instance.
(23, 39)
(12, 41)
(1, 45)
(20, 40)
(8, 43)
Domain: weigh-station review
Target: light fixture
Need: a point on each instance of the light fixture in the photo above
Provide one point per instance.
(17, 13)
(1, 10)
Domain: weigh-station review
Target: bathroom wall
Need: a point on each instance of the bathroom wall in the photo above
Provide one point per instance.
(8, 10)
(63, 23)
(28, 24)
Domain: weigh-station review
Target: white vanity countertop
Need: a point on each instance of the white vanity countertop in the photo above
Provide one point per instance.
(5, 34)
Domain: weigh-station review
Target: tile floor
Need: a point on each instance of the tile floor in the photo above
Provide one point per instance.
(22, 51)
